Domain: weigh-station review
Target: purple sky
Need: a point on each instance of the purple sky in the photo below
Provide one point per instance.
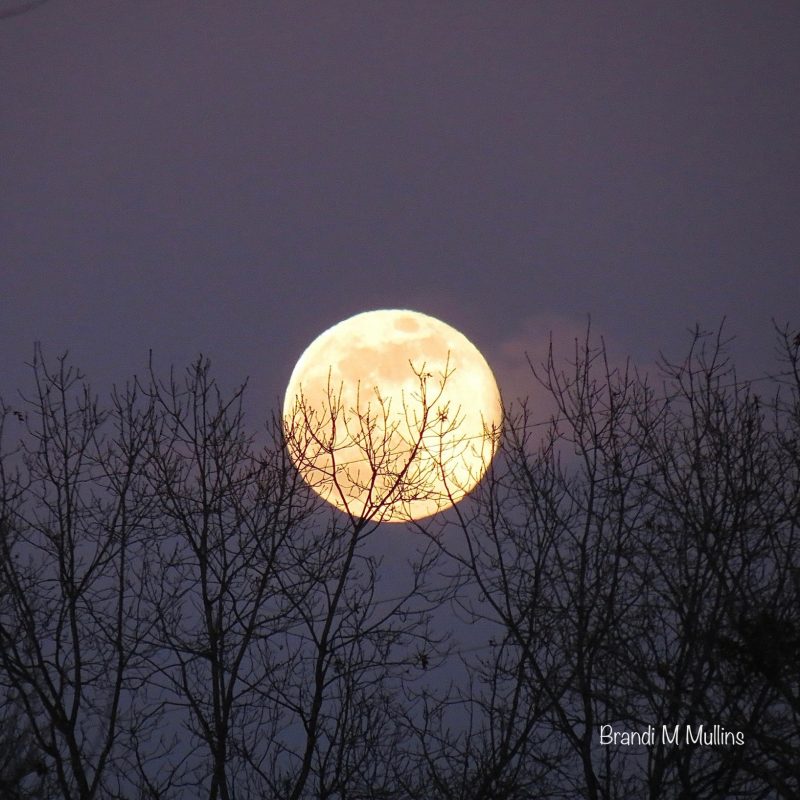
(233, 178)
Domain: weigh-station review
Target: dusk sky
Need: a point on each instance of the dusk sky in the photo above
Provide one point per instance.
(232, 178)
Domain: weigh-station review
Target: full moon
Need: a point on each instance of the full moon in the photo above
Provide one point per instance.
(392, 415)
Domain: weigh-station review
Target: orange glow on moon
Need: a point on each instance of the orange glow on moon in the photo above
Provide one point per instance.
(392, 414)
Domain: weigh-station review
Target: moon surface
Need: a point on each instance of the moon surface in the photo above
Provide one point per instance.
(392, 415)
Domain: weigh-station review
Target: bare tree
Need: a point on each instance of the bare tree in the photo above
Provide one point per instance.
(276, 652)
(634, 562)
(182, 615)
(22, 770)
(75, 514)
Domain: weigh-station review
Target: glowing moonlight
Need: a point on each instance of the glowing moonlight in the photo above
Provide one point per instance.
(392, 414)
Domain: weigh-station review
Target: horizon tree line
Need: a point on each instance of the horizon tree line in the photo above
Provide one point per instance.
(181, 615)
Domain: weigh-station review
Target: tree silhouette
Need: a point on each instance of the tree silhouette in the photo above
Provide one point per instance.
(182, 615)
(639, 560)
